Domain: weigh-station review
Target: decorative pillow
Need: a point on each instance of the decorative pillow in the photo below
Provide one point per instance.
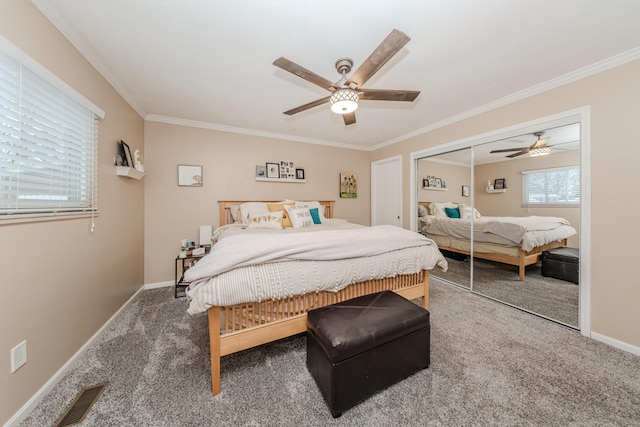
(452, 212)
(256, 207)
(300, 216)
(235, 213)
(422, 210)
(315, 216)
(275, 207)
(465, 211)
(314, 204)
(265, 220)
(437, 208)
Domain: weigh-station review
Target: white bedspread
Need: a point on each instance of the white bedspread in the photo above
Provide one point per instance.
(514, 228)
(244, 268)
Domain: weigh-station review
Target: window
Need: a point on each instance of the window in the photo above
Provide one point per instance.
(552, 187)
(48, 147)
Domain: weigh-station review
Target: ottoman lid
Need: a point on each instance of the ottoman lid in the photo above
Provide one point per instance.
(351, 327)
(562, 254)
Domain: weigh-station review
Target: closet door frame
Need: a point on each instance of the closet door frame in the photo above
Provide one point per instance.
(580, 115)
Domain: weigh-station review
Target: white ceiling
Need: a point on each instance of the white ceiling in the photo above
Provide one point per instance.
(208, 63)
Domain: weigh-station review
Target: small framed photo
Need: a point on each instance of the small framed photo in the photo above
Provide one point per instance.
(261, 171)
(299, 173)
(127, 154)
(189, 176)
(432, 181)
(438, 183)
(499, 184)
(444, 184)
(425, 182)
(465, 191)
(273, 170)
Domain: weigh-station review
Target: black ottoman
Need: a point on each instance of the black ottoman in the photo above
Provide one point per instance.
(360, 346)
(562, 263)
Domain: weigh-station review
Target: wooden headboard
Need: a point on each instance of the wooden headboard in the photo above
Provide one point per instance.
(225, 208)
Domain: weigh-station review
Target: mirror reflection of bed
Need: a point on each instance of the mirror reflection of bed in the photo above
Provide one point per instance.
(502, 269)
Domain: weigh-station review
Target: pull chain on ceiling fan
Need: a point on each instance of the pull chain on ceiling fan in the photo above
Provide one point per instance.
(347, 92)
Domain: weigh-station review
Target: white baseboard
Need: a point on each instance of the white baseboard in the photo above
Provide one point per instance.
(46, 388)
(158, 285)
(616, 343)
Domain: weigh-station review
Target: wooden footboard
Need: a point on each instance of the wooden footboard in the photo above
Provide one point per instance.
(243, 326)
(522, 260)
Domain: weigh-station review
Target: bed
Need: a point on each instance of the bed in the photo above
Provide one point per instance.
(254, 297)
(519, 242)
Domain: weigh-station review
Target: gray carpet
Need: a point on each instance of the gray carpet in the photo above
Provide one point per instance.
(490, 365)
(553, 298)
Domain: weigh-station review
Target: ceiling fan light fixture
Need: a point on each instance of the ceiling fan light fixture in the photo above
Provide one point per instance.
(344, 101)
(541, 151)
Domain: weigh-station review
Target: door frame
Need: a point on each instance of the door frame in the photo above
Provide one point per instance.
(580, 115)
(374, 186)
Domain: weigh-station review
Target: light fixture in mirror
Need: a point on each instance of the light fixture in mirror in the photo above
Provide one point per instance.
(541, 151)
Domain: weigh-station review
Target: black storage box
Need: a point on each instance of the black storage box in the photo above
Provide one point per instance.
(562, 263)
(360, 346)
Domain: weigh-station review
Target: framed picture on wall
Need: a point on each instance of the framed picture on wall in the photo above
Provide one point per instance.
(273, 170)
(465, 191)
(499, 184)
(189, 176)
(299, 173)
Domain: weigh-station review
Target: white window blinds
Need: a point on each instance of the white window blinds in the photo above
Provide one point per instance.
(48, 147)
(556, 186)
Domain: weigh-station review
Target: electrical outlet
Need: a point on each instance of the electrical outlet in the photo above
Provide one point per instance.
(18, 356)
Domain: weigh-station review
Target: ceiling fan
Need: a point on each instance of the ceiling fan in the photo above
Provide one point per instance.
(538, 148)
(346, 92)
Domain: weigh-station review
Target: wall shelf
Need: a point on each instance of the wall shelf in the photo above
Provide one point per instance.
(434, 188)
(500, 190)
(129, 172)
(295, 181)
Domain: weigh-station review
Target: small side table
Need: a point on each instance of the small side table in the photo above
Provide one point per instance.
(181, 266)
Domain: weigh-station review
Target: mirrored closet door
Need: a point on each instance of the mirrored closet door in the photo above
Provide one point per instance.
(517, 236)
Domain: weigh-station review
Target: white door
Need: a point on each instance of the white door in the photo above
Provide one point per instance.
(386, 191)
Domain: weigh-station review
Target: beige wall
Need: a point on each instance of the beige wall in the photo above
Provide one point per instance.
(60, 282)
(228, 159)
(613, 97)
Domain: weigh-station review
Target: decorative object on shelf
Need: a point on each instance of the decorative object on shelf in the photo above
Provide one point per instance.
(299, 173)
(189, 176)
(465, 191)
(273, 170)
(287, 169)
(125, 152)
(499, 184)
(489, 186)
(261, 171)
(425, 182)
(137, 161)
(348, 185)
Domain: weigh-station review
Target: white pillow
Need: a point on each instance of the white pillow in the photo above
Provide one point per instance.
(314, 204)
(300, 216)
(422, 210)
(465, 211)
(235, 213)
(256, 207)
(265, 220)
(437, 208)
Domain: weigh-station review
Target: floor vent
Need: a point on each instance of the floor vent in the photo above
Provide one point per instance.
(80, 407)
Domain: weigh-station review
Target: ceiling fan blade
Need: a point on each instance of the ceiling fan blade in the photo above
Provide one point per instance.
(299, 71)
(349, 118)
(307, 106)
(506, 150)
(384, 52)
(519, 153)
(540, 143)
(389, 94)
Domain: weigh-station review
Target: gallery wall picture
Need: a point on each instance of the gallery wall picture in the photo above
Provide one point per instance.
(189, 176)
(348, 185)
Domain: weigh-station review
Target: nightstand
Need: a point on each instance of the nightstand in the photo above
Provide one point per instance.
(182, 265)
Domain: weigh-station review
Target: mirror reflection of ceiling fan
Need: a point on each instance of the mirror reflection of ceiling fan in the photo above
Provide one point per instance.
(346, 92)
(538, 148)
